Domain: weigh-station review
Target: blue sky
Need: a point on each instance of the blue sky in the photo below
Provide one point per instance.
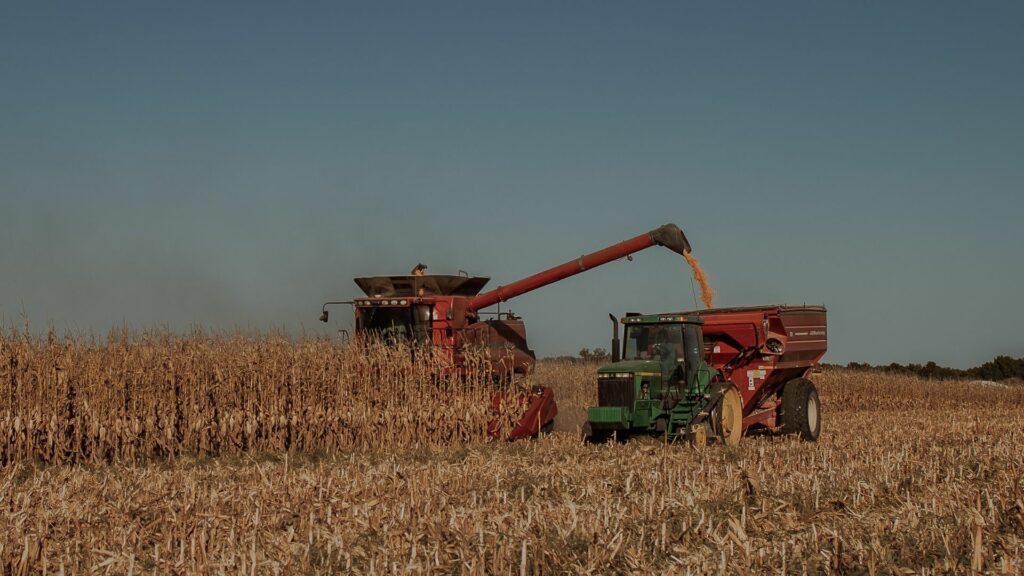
(235, 165)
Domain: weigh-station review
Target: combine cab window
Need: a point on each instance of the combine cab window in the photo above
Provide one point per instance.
(397, 324)
(661, 342)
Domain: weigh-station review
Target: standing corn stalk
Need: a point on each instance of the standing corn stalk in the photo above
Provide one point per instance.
(159, 395)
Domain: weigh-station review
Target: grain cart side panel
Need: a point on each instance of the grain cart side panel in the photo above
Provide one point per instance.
(807, 334)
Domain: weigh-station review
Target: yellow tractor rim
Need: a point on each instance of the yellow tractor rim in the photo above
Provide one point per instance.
(732, 417)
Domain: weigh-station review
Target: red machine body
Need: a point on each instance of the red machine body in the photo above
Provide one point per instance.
(446, 313)
(760, 348)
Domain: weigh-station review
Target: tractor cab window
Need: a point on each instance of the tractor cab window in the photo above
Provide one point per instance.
(393, 325)
(660, 342)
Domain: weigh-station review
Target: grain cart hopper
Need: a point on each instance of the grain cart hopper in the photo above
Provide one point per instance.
(712, 374)
(445, 312)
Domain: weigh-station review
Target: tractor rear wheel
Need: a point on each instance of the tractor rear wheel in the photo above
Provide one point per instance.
(728, 416)
(801, 409)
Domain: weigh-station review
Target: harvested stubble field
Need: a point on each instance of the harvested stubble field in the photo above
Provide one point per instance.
(321, 469)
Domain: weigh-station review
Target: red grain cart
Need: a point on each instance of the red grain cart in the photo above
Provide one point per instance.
(769, 353)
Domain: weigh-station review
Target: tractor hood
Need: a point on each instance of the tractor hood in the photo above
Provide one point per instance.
(634, 366)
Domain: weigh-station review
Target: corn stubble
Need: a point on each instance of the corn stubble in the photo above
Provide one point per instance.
(910, 476)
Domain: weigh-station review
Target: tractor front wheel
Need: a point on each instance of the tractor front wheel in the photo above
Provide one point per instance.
(801, 409)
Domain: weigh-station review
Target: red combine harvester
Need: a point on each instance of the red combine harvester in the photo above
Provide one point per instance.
(445, 312)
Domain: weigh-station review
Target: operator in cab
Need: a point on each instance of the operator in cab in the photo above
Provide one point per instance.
(672, 355)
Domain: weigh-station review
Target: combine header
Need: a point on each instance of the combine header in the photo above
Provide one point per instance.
(445, 312)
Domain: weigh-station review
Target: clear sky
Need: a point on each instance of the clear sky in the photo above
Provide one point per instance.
(171, 164)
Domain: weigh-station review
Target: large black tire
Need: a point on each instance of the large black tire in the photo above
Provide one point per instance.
(801, 409)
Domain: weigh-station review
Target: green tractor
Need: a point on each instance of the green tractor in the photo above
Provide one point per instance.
(662, 385)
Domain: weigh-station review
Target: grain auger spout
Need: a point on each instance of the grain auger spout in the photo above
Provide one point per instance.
(669, 236)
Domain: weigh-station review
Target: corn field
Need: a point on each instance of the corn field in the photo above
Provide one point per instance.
(68, 400)
(262, 456)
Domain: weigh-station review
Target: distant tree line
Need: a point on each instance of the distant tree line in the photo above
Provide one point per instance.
(999, 368)
(585, 355)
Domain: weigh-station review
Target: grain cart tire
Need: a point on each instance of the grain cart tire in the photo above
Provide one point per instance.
(728, 416)
(801, 409)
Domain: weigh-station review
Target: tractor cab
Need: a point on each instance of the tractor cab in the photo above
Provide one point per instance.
(663, 347)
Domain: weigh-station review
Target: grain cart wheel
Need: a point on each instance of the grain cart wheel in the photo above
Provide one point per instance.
(801, 409)
(728, 416)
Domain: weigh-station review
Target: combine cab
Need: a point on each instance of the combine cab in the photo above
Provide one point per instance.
(445, 312)
(712, 374)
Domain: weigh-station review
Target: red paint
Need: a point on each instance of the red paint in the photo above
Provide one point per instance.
(540, 411)
(562, 271)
